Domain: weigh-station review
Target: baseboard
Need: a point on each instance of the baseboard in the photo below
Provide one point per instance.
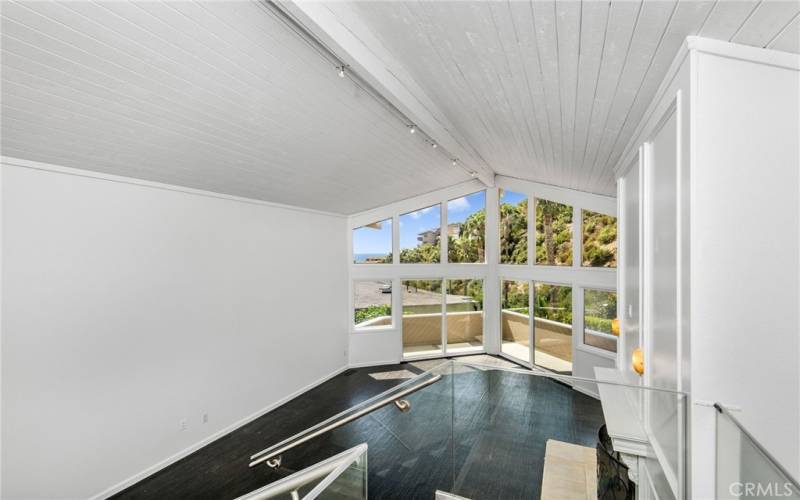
(369, 364)
(191, 449)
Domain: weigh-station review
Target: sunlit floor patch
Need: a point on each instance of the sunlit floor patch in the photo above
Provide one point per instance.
(393, 375)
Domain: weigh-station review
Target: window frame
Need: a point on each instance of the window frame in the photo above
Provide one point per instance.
(443, 280)
(354, 328)
(580, 265)
(530, 213)
(363, 226)
(582, 345)
(442, 244)
(444, 314)
(445, 252)
(576, 256)
(572, 287)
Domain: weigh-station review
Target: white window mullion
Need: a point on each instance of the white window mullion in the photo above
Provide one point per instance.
(531, 321)
(444, 316)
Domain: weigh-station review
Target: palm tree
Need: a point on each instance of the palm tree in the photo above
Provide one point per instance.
(549, 210)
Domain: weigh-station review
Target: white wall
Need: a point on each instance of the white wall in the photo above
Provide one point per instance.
(129, 306)
(746, 241)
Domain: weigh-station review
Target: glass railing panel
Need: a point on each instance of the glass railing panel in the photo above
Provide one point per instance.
(415, 445)
(493, 431)
(347, 482)
(408, 421)
(745, 469)
(519, 433)
(343, 476)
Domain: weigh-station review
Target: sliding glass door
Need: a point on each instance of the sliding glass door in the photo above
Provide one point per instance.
(422, 317)
(442, 317)
(552, 327)
(547, 341)
(515, 320)
(464, 322)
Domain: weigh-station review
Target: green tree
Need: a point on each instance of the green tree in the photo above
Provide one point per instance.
(514, 233)
(553, 233)
(470, 244)
(423, 254)
(599, 240)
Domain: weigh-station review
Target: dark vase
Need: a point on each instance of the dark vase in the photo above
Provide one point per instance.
(612, 474)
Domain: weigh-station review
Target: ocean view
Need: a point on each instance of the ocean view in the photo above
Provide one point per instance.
(360, 258)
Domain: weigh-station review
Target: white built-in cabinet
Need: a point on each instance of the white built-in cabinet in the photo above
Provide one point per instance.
(709, 202)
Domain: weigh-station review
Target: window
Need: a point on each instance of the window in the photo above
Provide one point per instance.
(553, 233)
(372, 244)
(552, 327)
(419, 236)
(513, 228)
(599, 239)
(515, 320)
(422, 317)
(464, 304)
(600, 324)
(466, 228)
(372, 304)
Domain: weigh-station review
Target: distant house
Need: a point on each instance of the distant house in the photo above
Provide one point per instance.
(431, 236)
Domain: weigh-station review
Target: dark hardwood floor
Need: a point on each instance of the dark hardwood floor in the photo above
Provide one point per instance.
(478, 433)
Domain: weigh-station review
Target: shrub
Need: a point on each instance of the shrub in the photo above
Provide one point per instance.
(370, 312)
(607, 235)
(599, 256)
(597, 324)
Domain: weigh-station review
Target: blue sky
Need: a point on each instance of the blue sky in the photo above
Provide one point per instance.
(373, 241)
(512, 197)
(413, 223)
(459, 209)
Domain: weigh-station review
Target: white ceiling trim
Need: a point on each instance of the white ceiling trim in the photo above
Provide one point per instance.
(91, 174)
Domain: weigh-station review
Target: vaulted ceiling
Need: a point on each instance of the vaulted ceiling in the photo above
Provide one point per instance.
(223, 96)
(551, 91)
(219, 96)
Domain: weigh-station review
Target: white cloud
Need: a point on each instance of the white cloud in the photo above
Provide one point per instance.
(420, 213)
(458, 205)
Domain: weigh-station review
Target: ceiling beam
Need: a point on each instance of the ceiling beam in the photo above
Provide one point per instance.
(341, 30)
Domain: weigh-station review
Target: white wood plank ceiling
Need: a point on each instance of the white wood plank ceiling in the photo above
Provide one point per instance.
(221, 96)
(218, 96)
(551, 91)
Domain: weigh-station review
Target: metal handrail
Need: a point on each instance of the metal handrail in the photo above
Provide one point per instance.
(291, 484)
(273, 454)
(758, 446)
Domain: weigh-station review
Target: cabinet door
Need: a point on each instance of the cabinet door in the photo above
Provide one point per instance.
(661, 284)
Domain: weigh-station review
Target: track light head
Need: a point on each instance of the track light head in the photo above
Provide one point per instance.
(434, 145)
(473, 174)
(412, 128)
(341, 71)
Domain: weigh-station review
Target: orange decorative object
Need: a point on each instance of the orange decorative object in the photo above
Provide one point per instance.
(637, 361)
(615, 326)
